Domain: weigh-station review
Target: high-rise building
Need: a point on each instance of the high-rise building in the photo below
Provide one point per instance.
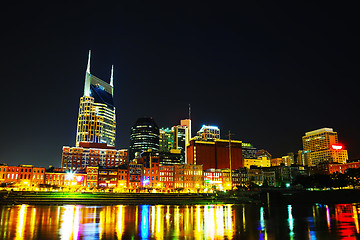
(322, 145)
(209, 133)
(289, 159)
(144, 137)
(96, 120)
(187, 123)
(96, 125)
(302, 158)
(248, 151)
(166, 141)
(175, 140)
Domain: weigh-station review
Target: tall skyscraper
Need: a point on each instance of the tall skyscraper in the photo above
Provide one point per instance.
(96, 120)
(322, 145)
(174, 141)
(187, 123)
(166, 140)
(95, 137)
(144, 137)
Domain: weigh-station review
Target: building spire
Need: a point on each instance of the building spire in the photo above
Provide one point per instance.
(88, 65)
(87, 78)
(112, 76)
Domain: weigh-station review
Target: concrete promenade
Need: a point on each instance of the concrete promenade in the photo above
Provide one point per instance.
(61, 198)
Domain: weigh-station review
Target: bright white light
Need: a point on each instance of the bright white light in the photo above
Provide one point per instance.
(69, 176)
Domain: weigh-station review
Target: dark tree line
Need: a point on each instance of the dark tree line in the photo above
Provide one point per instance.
(351, 178)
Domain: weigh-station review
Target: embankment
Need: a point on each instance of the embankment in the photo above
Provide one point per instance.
(61, 198)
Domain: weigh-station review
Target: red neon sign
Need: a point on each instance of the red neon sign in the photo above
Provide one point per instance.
(337, 146)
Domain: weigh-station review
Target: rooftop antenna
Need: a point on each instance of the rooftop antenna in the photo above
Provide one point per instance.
(189, 111)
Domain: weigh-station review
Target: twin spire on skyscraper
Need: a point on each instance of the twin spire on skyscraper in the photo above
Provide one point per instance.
(88, 77)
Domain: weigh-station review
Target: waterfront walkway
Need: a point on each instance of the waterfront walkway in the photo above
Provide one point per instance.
(114, 198)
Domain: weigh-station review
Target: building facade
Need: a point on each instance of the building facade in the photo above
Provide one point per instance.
(259, 162)
(96, 119)
(92, 155)
(248, 151)
(215, 154)
(24, 177)
(322, 146)
(145, 136)
(209, 133)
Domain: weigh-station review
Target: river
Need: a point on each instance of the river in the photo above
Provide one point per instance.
(245, 221)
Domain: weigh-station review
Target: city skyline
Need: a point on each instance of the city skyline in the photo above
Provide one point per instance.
(267, 73)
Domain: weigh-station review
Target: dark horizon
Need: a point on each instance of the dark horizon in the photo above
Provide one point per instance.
(269, 73)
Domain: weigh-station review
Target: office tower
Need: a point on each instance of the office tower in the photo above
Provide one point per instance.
(209, 133)
(166, 141)
(289, 159)
(187, 123)
(322, 145)
(248, 151)
(95, 137)
(174, 141)
(96, 120)
(180, 140)
(144, 137)
(302, 158)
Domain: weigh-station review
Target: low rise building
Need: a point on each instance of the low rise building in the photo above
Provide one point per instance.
(24, 177)
(213, 179)
(258, 162)
(92, 155)
(92, 174)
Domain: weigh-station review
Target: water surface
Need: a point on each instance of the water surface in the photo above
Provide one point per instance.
(319, 221)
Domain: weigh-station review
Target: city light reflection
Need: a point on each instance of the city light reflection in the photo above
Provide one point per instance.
(243, 218)
(177, 222)
(356, 218)
(153, 219)
(67, 222)
(219, 216)
(77, 222)
(144, 226)
(290, 221)
(21, 221)
(328, 217)
(346, 220)
(120, 222)
(262, 228)
(209, 222)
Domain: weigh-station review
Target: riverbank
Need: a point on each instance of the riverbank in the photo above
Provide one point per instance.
(288, 196)
(62, 198)
(264, 196)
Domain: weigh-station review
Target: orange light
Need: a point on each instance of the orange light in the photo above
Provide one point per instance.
(337, 146)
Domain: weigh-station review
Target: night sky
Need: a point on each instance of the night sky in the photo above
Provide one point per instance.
(269, 73)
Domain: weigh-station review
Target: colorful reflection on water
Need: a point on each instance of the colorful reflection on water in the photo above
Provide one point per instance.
(180, 222)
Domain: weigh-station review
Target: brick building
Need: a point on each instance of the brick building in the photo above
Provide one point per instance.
(215, 154)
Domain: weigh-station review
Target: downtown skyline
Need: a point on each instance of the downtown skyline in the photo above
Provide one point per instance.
(266, 74)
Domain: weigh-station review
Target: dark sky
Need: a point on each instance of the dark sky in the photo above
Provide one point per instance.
(269, 73)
